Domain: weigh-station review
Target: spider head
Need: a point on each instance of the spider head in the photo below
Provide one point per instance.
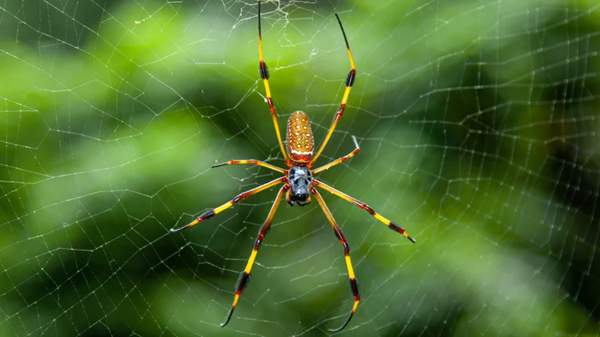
(300, 179)
(302, 199)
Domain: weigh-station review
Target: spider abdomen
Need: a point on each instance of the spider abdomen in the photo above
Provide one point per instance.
(299, 139)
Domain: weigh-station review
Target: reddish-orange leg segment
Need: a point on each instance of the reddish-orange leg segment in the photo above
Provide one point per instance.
(339, 160)
(392, 225)
(264, 74)
(349, 82)
(340, 236)
(245, 275)
(212, 212)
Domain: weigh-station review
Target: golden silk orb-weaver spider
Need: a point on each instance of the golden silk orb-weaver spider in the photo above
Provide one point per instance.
(298, 182)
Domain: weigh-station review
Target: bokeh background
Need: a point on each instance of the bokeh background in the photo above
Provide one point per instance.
(479, 129)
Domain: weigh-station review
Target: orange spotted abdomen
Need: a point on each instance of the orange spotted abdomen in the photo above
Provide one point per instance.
(300, 144)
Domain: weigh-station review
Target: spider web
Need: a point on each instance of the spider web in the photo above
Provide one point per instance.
(479, 131)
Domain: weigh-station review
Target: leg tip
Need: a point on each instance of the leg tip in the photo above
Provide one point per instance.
(222, 325)
(218, 165)
(343, 325)
(347, 320)
(411, 239)
(175, 230)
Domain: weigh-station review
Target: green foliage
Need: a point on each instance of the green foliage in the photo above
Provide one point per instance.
(477, 121)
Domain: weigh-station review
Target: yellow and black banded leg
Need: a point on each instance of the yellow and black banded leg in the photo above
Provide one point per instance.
(212, 212)
(392, 225)
(338, 233)
(264, 74)
(339, 160)
(245, 275)
(252, 162)
(349, 82)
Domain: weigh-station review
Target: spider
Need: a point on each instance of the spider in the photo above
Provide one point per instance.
(298, 182)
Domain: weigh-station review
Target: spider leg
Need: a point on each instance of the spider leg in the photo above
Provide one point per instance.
(339, 160)
(340, 236)
(245, 275)
(392, 225)
(349, 83)
(212, 212)
(264, 74)
(253, 162)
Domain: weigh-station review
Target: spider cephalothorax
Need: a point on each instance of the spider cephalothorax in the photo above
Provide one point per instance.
(298, 182)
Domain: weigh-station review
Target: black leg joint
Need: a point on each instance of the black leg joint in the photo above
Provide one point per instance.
(242, 282)
(353, 283)
(264, 71)
(350, 78)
